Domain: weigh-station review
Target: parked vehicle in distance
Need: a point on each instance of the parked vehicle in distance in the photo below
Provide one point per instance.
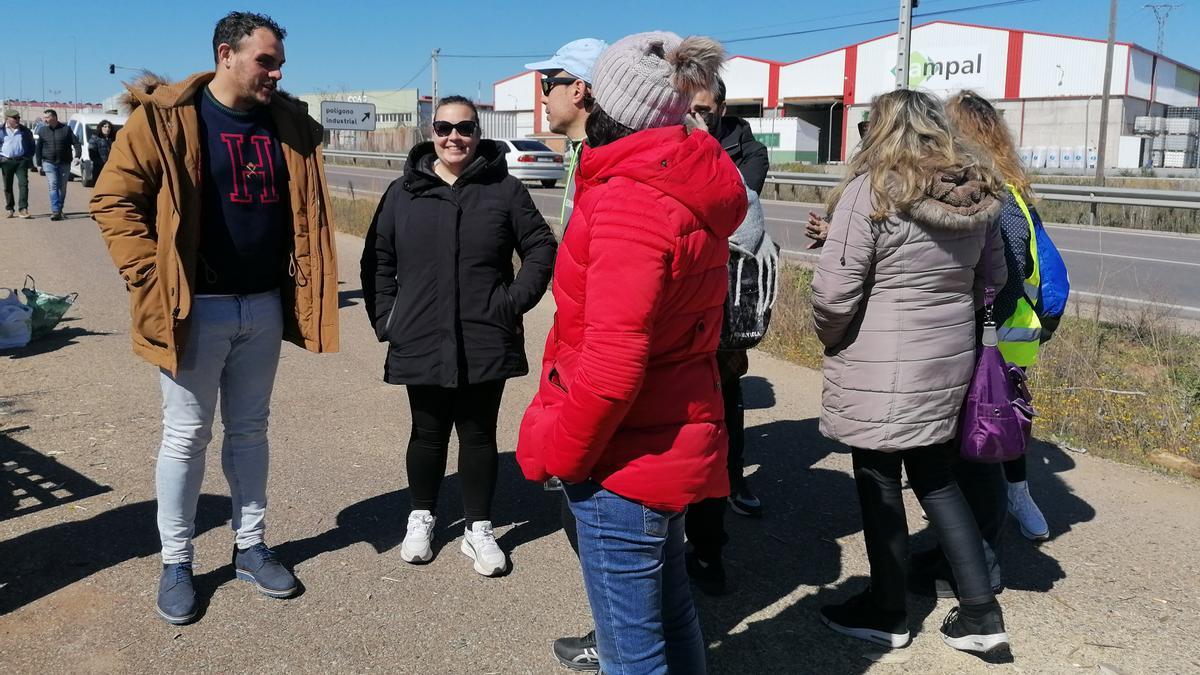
(529, 159)
(85, 127)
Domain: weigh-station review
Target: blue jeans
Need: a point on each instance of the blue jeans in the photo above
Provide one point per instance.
(233, 350)
(56, 178)
(637, 584)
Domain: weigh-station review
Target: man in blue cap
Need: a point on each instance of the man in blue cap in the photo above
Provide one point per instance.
(567, 99)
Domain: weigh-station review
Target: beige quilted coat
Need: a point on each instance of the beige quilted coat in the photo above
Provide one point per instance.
(894, 303)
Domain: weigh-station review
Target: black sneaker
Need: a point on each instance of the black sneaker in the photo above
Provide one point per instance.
(859, 618)
(57, 215)
(708, 575)
(742, 501)
(978, 629)
(578, 653)
(176, 595)
(259, 566)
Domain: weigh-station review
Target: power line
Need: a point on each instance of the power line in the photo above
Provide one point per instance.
(955, 10)
(1162, 12)
(493, 56)
(811, 20)
(414, 77)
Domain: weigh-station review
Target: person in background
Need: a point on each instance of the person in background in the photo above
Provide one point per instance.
(817, 227)
(567, 98)
(16, 155)
(894, 295)
(213, 282)
(704, 523)
(56, 146)
(440, 290)
(100, 145)
(628, 411)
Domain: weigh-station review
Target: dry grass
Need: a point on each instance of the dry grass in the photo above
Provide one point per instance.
(353, 216)
(1122, 389)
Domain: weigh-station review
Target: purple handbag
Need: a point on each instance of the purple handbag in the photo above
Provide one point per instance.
(997, 416)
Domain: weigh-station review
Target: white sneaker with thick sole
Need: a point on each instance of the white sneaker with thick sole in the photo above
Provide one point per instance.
(1028, 515)
(479, 544)
(417, 548)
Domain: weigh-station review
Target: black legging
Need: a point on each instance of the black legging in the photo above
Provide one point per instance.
(705, 520)
(1014, 469)
(885, 527)
(471, 409)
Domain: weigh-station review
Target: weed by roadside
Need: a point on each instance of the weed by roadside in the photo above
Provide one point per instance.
(1122, 389)
(353, 216)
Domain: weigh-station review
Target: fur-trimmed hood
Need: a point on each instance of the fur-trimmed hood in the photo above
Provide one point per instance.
(957, 201)
(153, 88)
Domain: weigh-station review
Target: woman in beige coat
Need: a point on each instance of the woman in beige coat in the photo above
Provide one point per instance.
(894, 300)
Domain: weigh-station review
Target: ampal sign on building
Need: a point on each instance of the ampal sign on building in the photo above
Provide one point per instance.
(346, 115)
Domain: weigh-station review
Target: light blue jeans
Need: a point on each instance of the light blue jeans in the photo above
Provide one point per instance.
(233, 350)
(637, 584)
(56, 178)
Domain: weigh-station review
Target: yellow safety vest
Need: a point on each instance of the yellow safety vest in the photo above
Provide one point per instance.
(575, 148)
(1020, 335)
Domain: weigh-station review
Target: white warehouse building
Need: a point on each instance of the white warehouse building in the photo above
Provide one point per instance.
(1047, 86)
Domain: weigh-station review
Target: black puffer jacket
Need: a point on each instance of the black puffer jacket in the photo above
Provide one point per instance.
(98, 149)
(437, 271)
(750, 156)
(56, 145)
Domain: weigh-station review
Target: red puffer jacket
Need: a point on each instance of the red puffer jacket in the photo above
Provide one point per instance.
(630, 395)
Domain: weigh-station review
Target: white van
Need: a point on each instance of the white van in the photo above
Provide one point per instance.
(85, 127)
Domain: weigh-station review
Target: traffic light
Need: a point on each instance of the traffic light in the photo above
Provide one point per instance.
(112, 69)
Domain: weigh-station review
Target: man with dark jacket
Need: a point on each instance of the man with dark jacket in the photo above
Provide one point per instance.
(219, 271)
(734, 134)
(704, 521)
(57, 145)
(16, 152)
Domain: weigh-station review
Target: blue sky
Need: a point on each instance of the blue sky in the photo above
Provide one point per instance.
(379, 45)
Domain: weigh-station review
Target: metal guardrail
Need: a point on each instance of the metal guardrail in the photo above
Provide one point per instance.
(1087, 194)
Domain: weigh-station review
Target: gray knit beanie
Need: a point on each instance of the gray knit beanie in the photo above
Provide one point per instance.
(647, 80)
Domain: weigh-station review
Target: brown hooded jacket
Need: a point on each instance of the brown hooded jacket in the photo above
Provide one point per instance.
(147, 202)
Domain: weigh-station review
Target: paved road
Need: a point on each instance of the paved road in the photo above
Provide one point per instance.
(80, 418)
(1142, 270)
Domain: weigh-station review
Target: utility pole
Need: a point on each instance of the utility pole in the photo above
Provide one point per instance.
(1108, 67)
(1162, 12)
(904, 42)
(75, 64)
(434, 59)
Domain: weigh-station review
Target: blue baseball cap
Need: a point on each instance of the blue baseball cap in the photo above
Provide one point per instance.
(576, 57)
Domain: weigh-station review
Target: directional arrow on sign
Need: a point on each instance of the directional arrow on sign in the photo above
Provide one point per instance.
(365, 116)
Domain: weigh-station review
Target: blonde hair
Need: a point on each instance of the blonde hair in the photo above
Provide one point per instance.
(976, 119)
(909, 143)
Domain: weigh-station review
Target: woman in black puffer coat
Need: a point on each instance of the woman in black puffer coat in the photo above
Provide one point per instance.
(439, 288)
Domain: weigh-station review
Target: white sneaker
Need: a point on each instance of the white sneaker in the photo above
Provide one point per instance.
(479, 544)
(416, 548)
(1028, 515)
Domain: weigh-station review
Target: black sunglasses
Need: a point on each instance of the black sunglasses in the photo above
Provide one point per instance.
(549, 83)
(464, 128)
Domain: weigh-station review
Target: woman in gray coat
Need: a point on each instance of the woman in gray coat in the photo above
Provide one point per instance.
(894, 299)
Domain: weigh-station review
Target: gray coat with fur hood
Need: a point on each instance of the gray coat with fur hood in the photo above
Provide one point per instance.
(894, 304)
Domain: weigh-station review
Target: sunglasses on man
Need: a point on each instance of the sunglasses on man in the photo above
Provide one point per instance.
(464, 128)
(549, 83)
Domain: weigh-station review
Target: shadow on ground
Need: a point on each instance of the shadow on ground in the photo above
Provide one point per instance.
(60, 337)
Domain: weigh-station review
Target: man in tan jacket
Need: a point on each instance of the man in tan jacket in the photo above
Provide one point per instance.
(214, 208)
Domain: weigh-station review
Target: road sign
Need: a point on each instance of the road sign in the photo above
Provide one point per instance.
(349, 116)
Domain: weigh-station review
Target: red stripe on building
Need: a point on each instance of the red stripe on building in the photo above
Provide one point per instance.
(848, 94)
(773, 86)
(1012, 74)
(537, 102)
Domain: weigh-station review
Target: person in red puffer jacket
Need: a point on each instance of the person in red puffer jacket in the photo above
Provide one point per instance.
(629, 411)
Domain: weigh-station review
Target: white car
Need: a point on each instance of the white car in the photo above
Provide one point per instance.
(533, 160)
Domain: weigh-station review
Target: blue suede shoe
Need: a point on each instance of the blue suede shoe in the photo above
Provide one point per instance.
(259, 566)
(176, 595)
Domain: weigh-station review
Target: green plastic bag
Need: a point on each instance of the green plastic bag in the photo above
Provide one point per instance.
(48, 309)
